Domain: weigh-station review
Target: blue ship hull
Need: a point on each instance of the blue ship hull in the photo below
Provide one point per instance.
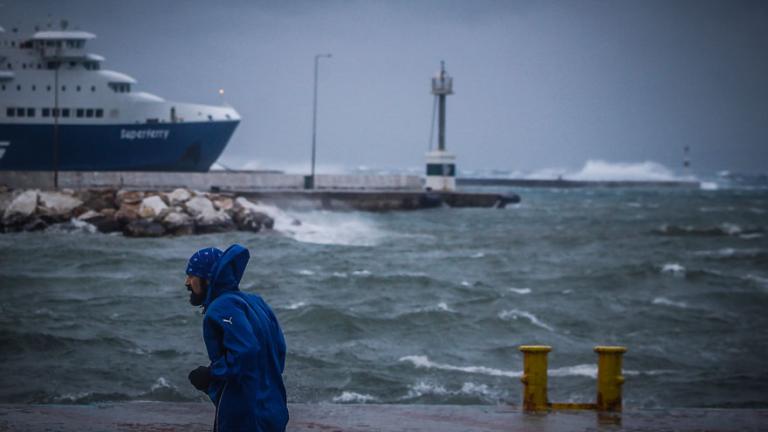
(130, 147)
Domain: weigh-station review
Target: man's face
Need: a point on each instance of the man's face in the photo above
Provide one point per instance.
(196, 287)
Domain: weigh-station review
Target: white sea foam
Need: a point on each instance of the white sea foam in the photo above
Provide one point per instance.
(667, 302)
(465, 283)
(515, 314)
(160, 383)
(521, 291)
(731, 228)
(587, 370)
(709, 186)
(422, 388)
(584, 370)
(296, 305)
(600, 170)
(339, 274)
(424, 362)
(478, 255)
(674, 269)
(361, 273)
(323, 227)
(306, 272)
(751, 236)
(352, 397)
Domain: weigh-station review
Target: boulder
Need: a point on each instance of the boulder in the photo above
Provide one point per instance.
(104, 221)
(144, 228)
(247, 212)
(223, 203)
(35, 224)
(198, 205)
(21, 208)
(57, 206)
(128, 197)
(178, 196)
(97, 200)
(213, 221)
(127, 214)
(151, 207)
(179, 223)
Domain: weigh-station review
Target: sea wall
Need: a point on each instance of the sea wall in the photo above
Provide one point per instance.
(131, 212)
(213, 180)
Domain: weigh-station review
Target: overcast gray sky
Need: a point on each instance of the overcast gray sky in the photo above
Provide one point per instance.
(538, 84)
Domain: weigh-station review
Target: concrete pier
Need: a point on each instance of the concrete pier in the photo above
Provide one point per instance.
(168, 417)
(338, 192)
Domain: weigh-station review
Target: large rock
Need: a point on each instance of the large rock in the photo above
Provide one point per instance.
(179, 223)
(144, 228)
(127, 214)
(21, 208)
(151, 207)
(178, 196)
(104, 220)
(97, 200)
(247, 214)
(57, 206)
(198, 205)
(128, 197)
(213, 221)
(223, 203)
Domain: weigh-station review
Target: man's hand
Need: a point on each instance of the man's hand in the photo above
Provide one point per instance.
(200, 378)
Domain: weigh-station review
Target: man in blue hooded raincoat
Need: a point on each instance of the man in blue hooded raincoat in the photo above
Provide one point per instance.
(244, 341)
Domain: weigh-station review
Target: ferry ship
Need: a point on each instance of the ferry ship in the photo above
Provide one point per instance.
(60, 110)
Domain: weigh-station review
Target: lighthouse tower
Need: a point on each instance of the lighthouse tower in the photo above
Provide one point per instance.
(441, 166)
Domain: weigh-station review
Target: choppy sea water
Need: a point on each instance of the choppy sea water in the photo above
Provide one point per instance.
(417, 307)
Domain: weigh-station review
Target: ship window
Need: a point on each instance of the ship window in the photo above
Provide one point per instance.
(210, 117)
(10, 65)
(80, 112)
(23, 65)
(48, 88)
(34, 87)
(65, 112)
(49, 43)
(39, 66)
(55, 112)
(18, 88)
(89, 112)
(10, 112)
(93, 88)
(99, 113)
(30, 112)
(72, 64)
(20, 112)
(46, 112)
(63, 88)
(78, 88)
(3, 87)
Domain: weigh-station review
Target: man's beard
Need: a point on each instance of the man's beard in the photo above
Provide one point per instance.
(195, 299)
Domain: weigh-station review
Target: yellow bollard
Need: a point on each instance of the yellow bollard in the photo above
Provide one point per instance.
(534, 377)
(609, 377)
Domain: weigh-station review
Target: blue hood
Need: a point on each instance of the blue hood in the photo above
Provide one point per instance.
(227, 273)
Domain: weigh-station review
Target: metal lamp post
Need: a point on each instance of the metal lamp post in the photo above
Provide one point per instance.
(311, 183)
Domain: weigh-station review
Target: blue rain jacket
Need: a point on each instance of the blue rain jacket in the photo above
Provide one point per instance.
(247, 351)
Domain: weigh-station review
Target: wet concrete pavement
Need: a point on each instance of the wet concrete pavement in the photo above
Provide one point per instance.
(168, 417)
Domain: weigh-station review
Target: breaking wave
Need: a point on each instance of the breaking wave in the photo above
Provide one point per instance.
(352, 397)
(515, 314)
(324, 227)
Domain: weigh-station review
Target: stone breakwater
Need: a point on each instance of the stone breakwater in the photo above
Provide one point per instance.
(133, 213)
